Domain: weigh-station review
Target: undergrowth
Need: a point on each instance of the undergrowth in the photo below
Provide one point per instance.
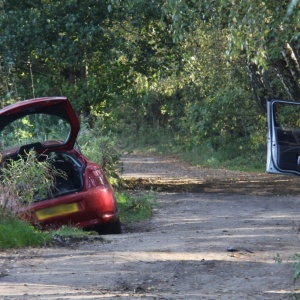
(235, 157)
(100, 148)
(207, 157)
(26, 178)
(16, 233)
(136, 206)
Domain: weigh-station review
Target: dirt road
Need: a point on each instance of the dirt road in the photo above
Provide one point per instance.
(233, 239)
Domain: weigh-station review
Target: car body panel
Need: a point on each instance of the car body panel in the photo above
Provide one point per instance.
(83, 209)
(85, 198)
(283, 154)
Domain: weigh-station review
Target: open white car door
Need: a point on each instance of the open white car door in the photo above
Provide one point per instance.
(283, 155)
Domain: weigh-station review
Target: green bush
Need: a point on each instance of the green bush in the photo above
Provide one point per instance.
(27, 178)
(100, 148)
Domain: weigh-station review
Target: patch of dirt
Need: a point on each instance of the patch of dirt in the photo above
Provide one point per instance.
(169, 174)
(215, 234)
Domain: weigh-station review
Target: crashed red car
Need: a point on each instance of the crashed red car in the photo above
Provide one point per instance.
(84, 198)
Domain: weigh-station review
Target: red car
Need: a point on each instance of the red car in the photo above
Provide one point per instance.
(84, 198)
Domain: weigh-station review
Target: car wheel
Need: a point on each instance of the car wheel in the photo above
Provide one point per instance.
(109, 228)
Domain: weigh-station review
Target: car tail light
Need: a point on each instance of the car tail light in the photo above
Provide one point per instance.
(97, 178)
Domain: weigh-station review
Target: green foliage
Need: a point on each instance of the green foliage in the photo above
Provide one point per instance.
(25, 179)
(232, 159)
(153, 140)
(32, 129)
(206, 103)
(15, 233)
(278, 258)
(296, 266)
(100, 148)
(134, 207)
(220, 122)
(68, 231)
(59, 48)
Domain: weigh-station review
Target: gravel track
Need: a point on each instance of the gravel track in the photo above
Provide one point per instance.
(222, 242)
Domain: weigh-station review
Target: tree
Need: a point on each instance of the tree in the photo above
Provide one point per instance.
(156, 64)
(55, 46)
(265, 32)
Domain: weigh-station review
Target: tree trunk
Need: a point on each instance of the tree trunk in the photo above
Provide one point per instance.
(258, 87)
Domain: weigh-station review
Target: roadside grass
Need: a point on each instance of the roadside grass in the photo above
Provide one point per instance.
(16, 233)
(296, 267)
(235, 157)
(67, 231)
(229, 159)
(135, 206)
(206, 157)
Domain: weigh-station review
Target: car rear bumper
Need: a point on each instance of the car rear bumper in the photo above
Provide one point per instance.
(82, 209)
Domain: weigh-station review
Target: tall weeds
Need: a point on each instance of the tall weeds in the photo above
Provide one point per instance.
(24, 180)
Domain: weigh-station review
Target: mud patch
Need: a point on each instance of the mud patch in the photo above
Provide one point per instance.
(261, 185)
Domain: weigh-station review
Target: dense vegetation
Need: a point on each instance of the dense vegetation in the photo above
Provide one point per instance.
(196, 73)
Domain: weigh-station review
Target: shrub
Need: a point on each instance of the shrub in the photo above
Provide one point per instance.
(100, 148)
(24, 179)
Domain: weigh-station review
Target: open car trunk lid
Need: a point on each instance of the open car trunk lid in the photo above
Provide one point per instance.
(42, 124)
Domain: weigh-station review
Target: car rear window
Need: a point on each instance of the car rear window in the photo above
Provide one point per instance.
(34, 128)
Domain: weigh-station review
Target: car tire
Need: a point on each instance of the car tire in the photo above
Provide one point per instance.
(109, 228)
